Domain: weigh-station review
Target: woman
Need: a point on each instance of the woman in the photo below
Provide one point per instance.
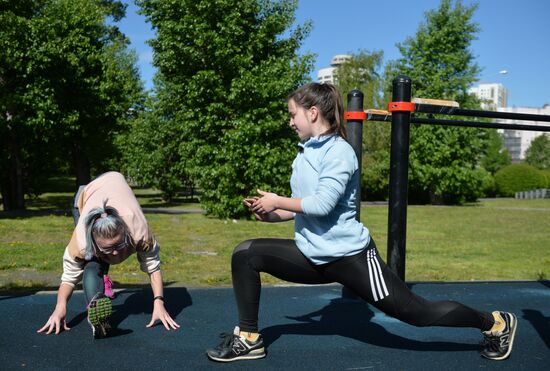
(330, 245)
(112, 228)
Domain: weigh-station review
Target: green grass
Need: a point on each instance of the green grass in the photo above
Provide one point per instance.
(502, 239)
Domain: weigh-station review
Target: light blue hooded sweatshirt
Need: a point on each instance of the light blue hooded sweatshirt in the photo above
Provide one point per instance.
(325, 176)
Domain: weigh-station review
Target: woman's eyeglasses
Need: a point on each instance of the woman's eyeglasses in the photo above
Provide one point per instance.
(116, 247)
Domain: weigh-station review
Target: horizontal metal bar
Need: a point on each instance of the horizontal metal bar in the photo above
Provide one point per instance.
(447, 110)
(477, 124)
(378, 117)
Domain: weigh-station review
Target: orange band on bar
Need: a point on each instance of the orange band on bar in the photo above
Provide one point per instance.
(357, 115)
(401, 106)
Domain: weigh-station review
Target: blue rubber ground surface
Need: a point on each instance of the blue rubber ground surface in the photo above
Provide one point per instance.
(305, 328)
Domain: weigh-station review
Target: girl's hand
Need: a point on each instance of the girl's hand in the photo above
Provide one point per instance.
(266, 203)
(248, 202)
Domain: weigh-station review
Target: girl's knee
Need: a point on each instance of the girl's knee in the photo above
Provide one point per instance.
(243, 246)
(240, 254)
(416, 312)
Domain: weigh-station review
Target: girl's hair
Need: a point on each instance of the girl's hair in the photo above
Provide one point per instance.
(327, 99)
(104, 222)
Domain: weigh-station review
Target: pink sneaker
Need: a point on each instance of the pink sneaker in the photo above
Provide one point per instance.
(108, 285)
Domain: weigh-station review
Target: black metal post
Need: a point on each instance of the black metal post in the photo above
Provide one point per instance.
(398, 188)
(355, 138)
(355, 115)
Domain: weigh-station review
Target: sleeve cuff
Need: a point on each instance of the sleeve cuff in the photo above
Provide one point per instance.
(68, 283)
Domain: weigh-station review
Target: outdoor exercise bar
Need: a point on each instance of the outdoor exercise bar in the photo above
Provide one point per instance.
(355, 117)
(400, 112)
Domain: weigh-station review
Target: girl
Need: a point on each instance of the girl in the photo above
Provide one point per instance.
(113, 228)
(329, 244)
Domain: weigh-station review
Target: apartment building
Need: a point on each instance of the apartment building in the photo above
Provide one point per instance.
(328, 74)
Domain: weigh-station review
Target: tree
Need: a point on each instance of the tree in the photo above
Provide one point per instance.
(444, 161)
(225, 68)
(66, 81)
(495, 156)
(98, 82)
(363, 72)
(150, 153)
(538, 153)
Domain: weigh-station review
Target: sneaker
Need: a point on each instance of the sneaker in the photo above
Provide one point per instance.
(108, 285)
(235, 347)
(99, 310)
(498, 344)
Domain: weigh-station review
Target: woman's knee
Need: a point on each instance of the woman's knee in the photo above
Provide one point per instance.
(92, 267)
(95, 268)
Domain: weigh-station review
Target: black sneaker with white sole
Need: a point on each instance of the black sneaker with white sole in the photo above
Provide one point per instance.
(498, 344)
(99, 311)
(235, 347)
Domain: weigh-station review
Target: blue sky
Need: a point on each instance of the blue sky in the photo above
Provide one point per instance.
(514, 36)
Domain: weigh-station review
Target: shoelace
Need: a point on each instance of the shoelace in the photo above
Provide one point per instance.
(491, 342)
(227, 340)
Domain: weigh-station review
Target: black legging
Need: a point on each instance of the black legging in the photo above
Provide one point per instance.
(364, 273)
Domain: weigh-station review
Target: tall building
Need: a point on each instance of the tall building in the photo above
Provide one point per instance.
(517, 142)
(493, 96)
(328, 74)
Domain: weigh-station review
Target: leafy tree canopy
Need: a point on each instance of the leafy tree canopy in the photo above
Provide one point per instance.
(444, 160)
(225, 69)
(66, 80)
(538, 153)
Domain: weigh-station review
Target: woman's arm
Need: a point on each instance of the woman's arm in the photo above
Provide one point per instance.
(159, 312)
(58, 317)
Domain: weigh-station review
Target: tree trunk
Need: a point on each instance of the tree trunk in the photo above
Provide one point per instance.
(13, 194)
(81, 164)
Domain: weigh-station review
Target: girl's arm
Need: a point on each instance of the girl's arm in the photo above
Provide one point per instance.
(270, 202)
(277, 215)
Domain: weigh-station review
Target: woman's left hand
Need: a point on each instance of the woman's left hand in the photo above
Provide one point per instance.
(265, 204)
(160, 313)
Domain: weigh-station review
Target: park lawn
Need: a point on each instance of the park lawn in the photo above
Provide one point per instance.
(491, 240)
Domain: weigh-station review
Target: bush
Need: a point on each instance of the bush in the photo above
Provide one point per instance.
(375, 176)
(517, 178)
(546, 174)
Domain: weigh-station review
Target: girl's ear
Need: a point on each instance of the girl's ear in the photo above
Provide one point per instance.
(313, 113)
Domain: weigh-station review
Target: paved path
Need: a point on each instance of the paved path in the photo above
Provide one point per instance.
(305, 328)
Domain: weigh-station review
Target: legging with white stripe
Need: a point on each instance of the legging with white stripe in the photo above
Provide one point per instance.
(365, 273)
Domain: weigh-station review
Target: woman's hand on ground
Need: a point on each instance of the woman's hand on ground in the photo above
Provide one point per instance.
(56, 322)
(160, 313)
